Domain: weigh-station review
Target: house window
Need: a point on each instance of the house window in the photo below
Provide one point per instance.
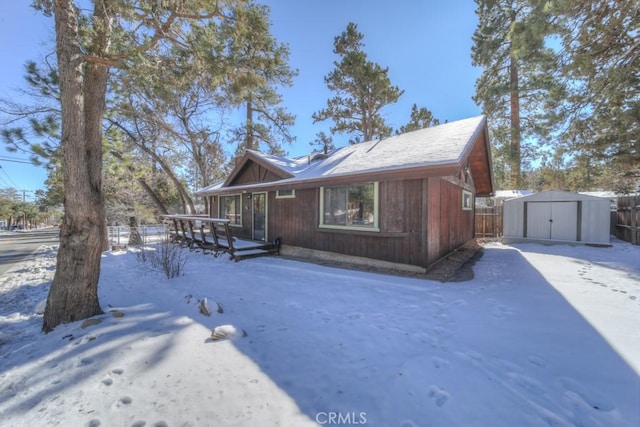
(351, 207)
(230, 207)
(285, 194)
(467, 200)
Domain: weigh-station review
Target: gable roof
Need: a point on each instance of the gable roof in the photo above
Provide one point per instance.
(444, 148)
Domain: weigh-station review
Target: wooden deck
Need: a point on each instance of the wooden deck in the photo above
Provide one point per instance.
(214, 235)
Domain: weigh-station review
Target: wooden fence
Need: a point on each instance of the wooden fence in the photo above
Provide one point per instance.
(488, 222)
(625, 221)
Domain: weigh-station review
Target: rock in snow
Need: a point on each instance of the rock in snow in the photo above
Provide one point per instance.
(204, 307)
(227, 331)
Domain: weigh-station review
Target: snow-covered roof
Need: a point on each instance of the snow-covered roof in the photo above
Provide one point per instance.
(442, 144)
(212, 187)
(603, 194)
(446, 144)
(508, 194)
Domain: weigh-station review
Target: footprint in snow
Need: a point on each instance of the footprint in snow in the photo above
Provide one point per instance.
(439, 362)
(122, 402)
(439, 394)
(86, 361)
(142, 423)
(537, 361)
(108, 381)
(583, 396)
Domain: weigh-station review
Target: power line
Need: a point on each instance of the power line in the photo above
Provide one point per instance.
(13, 160)
(8, 177)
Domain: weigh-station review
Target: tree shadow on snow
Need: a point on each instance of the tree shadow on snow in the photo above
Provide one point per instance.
(80, 353)
(506, 348)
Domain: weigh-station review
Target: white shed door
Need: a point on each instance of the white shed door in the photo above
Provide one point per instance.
(538, 224)
(552, 220)
(565, 221)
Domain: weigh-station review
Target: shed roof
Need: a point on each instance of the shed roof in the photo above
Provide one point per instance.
(555, 196)
(444, 146)
(510, 194)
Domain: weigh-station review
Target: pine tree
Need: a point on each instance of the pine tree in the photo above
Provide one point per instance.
(361, 90)
(509, 44)
(257, 66)
(420, 118)
(88, 45)
(597, 114)
(324, 142)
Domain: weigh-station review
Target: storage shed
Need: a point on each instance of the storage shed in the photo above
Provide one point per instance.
(557, 216)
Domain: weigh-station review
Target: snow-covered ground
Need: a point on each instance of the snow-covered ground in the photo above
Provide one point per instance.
(544, 335)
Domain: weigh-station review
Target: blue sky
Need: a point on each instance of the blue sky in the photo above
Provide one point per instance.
(426, 44)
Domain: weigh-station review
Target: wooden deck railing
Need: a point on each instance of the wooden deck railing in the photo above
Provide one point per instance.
(214, 234)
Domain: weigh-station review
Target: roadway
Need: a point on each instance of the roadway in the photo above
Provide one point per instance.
(18, 245)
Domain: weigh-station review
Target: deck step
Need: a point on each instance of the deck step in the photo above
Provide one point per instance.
(253, 253)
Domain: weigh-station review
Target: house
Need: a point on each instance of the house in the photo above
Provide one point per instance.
(557, 217)
(403, 202)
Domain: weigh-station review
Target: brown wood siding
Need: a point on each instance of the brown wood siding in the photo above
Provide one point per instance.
(253, 173)
(456, 224)
(481, 167)
(420, 221)
(296, 221)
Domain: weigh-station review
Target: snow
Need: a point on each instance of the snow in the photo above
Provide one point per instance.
(543, 335)
(510, 194)
(445, 144)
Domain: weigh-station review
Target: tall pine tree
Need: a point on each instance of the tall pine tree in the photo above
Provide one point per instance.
(509, 44)
(597, 114)
(88, 44)
(257, 67)
(361, 90)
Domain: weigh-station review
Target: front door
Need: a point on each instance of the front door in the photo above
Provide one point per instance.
(259, 216)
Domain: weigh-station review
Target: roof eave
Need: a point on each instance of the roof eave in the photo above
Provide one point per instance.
(389, 174)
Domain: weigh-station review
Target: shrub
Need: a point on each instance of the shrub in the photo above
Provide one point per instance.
(167, 258)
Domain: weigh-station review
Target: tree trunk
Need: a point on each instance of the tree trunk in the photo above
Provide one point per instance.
(143, 183)
(249, 137)
(187, 202)
(515, 162)
(74, 291)
(134, 235)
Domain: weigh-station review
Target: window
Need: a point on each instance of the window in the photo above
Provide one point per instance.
(285, 194)
(230, 207)
(352, 207)
(467, 200)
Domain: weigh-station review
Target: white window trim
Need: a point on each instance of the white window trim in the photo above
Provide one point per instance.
(241, 207)
(376, 211)
(470, 195)
(287, 196)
